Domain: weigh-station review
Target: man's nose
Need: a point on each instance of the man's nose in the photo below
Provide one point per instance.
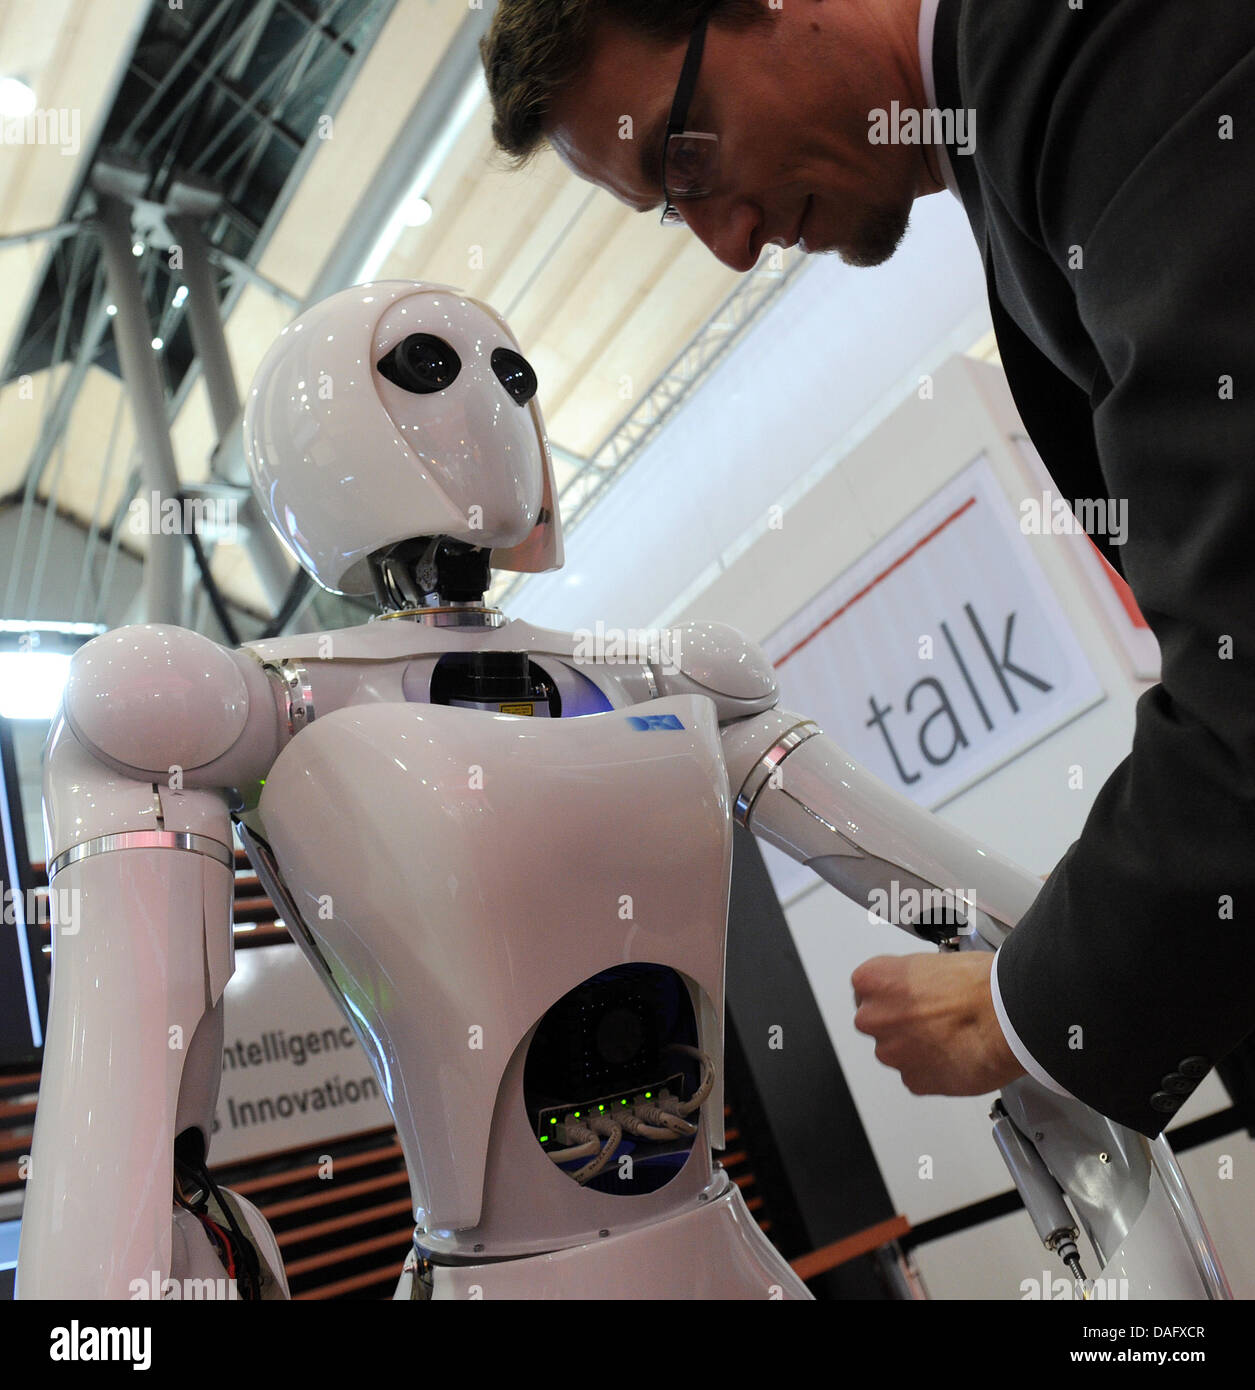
(732, 230)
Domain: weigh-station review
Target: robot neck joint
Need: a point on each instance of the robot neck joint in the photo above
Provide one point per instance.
(434, 576)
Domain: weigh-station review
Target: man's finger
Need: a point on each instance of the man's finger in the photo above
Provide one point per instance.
(873, 975)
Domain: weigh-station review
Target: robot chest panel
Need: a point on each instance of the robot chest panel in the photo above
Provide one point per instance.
(495, 862)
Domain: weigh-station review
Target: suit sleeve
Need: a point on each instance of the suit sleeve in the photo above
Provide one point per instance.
(1134, 971)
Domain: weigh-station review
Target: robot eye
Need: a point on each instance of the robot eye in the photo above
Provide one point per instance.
(421, 363)
(515, 374)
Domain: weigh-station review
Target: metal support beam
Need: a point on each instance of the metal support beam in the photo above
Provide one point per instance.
(51, 234)
(206, 323)
(241, 270)
(265, 550)
(568, 459)
(132, 331)
(725, 328)
(274, 570)
(50, 432)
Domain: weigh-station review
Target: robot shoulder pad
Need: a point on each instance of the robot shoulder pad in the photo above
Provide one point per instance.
(715, 660)
(154, 697)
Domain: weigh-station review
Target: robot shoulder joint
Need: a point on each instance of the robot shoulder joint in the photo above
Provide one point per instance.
(154, 696)
(717, 661)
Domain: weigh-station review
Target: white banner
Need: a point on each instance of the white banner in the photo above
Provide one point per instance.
(938, 656)
(292, 1070)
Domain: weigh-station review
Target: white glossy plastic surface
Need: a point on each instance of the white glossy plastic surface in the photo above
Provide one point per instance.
(98, 1205)
(345, 462)
(824, 803)
(156, 696)
(724, 661)
(711, 1250)
(1154, 1261)
(493, 864)
(84, 800)
(389, 639)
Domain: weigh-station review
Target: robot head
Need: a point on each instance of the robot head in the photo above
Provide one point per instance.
(394, 411)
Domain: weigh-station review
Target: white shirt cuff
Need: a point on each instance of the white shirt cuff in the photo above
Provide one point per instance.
(1014, 1042)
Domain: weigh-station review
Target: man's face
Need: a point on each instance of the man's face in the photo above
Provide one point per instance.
(795, 163)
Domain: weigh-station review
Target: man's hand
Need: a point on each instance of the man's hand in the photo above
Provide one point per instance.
(933, 1020)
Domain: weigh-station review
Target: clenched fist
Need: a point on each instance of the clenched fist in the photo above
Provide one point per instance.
(933, 1020)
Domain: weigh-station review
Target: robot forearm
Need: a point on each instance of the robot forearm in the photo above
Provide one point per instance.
(799, 791)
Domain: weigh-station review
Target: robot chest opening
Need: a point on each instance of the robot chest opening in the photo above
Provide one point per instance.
(491, 681)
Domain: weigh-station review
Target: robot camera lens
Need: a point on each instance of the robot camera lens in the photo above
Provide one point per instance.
(515, 374)
(421, 363)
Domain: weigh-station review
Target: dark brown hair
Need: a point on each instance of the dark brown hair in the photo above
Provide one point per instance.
(536, 46)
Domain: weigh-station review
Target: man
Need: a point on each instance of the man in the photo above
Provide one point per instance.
(1105, 164)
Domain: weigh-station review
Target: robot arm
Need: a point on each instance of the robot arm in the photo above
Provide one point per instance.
(794, 787)
(156, 725)
(799, 791)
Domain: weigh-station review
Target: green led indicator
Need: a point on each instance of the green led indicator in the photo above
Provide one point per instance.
(648, 1094)
(623, 1102)
(577, 1114)
(544, 1138)
(554, 1121)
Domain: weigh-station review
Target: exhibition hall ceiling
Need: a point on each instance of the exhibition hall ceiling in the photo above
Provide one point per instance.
(290, 109)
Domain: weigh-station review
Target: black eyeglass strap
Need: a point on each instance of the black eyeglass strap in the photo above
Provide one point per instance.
(688, 79)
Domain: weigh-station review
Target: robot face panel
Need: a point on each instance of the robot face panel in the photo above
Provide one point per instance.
(436, 358)
(396, 410)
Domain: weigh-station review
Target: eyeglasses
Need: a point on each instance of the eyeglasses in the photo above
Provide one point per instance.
(689, 157)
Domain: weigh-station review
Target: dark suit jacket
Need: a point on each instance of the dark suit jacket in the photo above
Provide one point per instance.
(1117, 223)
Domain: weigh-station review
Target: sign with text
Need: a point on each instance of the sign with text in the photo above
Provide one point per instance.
(938, 656)
(292, 1070)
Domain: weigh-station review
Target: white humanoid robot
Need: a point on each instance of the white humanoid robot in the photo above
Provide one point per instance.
(507, 857)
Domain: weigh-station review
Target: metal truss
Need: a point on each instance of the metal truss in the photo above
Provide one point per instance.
(233, 109)
(595, 475)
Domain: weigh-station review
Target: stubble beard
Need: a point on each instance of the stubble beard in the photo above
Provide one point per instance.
(878, 236)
